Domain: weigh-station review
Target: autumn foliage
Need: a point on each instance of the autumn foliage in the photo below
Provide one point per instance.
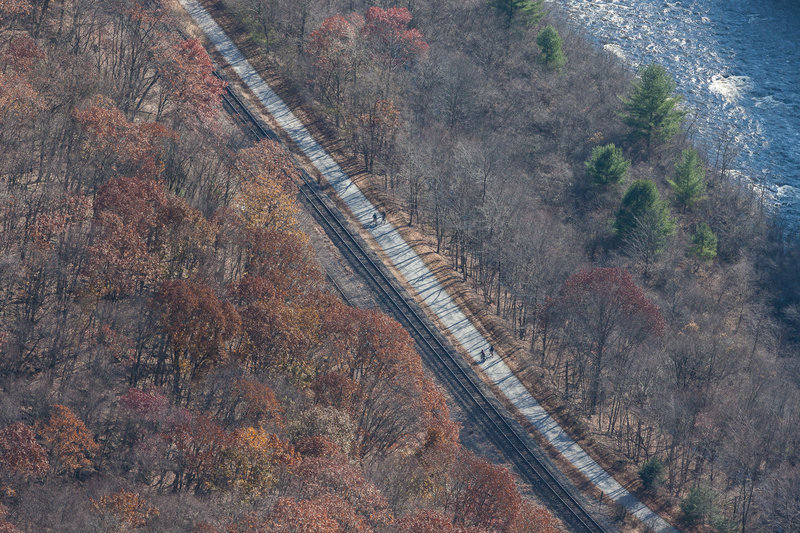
(390, 38)
(172, 358)
(127, 509)
(190, 92)
(603, 318)
(20, 454)
(71, 443)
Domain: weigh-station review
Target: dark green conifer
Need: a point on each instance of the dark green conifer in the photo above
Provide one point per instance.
(689, 184)
(704, 243)
(650, 110)
(549, 42)
(641, 204)
(525, 12)
(607, 166)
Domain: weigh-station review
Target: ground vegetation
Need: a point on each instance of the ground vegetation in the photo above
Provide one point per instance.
(170, 356)
(488, 155)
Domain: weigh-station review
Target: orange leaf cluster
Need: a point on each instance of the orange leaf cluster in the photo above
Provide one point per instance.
(127, 507)
(69, 440)
(261, 405)
(266, 195)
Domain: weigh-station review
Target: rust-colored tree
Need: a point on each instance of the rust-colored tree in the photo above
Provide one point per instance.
(51, 229)
(115, 146)
(318, 446)
(142, 233)
(143, 417)
(280, 326)
(604, 318)
(260, 406)
(427, 520)
(375, 351)
(300, 516)
(71, 444)
(334, 389)
(351, 500)
(20, 455)
(337, 54)
(199, 326)
(147, 410)
(189, 89)
(198, 445)
(287, 261)
(119, 264)
(20, 54)
(120, 260)
(392, 42)
(123, 511)
(532, 518)
(265, 197)
(254, 460)
(485, 494)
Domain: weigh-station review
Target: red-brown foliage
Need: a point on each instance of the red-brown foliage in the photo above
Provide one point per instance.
(372, 350)
(318, 446)
(151, 407)
(605, 317)
(142, 233)
(334, 388)
(391, 39)
(200, 327)
(333, 44)
(21, 54)
(487, 496)
(261, 406)
(428, 520)
(358, 502)
(532, 518)
(199, 443)
(119, 147)
(127, 508)
(187, 75)
(303, 516)
(20, 454)
(609, 297)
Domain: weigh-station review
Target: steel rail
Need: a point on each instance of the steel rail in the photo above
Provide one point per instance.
(496, 425)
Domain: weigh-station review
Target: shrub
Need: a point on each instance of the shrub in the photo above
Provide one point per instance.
(651, 473)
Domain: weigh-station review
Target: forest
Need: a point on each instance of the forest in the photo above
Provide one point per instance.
(655, 290)
(172, 359)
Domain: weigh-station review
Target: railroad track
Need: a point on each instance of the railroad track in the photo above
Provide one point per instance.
(450, 367)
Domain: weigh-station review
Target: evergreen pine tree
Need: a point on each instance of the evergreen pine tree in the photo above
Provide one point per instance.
(549, 42)
(697, 506)
(526, 12)
(650, 110)
(704, 243)
(607, 165)
(689, 184)
(651, 473)
(642, 203)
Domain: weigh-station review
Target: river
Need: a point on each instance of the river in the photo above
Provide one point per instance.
(737, 64)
